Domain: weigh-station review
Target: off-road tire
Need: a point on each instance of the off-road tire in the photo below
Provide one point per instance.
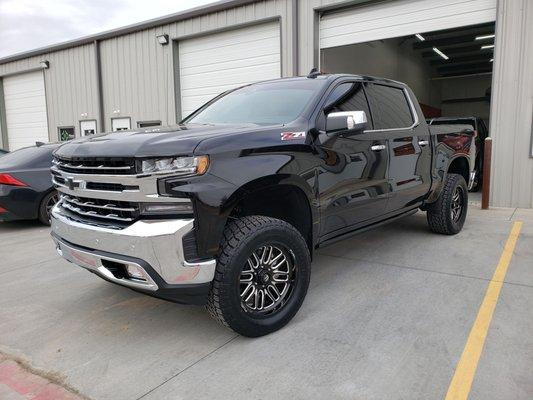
(241, 237)
(439, 213)
(44, 214)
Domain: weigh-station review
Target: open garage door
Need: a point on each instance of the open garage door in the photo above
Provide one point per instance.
(25, 104)
(401, 18)
(212, 64)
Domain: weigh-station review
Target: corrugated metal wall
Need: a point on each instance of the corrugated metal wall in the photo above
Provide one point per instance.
(70, 85)
(308, 29)
(138, 78)
(137, 72)
(512, 92)
(512, 105)
(128, 57)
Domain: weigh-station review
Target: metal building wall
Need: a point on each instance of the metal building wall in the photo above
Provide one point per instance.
(511, 120)
(308, 29)
(127, 58)
(137, 72)
(70, 85)
(512, 93)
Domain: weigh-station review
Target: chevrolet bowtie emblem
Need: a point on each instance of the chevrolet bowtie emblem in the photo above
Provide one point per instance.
(73, 184)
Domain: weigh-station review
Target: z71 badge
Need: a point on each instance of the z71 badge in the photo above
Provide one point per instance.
(292, 135)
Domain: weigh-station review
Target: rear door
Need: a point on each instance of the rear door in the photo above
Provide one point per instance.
(408, 142)
(353, 176)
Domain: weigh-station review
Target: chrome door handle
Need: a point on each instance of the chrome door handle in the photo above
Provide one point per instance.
(423, 142)
(378, 147)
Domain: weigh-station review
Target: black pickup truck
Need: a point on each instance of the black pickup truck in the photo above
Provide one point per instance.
(227, 208)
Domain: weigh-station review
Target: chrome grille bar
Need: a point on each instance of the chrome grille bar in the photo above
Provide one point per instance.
(79, 211)
(90, 204)
(82, 167)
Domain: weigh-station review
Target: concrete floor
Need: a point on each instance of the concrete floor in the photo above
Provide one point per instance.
(387, 316)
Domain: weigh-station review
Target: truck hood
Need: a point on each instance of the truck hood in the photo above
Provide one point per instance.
(151, 142)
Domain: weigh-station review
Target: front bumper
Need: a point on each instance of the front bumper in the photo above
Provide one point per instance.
(153, 247)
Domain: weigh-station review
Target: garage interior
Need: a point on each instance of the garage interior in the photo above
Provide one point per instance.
(454, 83)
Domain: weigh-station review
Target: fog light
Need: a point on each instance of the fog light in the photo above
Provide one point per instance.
(167, 208)
(135, 272)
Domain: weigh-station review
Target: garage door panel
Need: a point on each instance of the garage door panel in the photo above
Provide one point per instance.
(232, 65)
(212, 64)
(232, 78)
(267, 48)
(27, 118)
(382, 21)
(227, 39)
(25, 105)
(20, 104)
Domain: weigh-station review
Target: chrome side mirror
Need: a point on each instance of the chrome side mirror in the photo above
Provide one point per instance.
(347, 122)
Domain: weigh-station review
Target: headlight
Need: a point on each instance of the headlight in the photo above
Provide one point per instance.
(178, 165)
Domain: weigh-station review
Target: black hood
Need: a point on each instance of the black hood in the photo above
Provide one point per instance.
(149, 142)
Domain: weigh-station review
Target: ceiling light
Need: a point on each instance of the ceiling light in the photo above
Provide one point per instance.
(487, 46)
(440, 53)
(162, 39)
(483, 37)
(420, 37)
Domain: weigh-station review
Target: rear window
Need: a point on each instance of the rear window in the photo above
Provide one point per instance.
(389, 105)
(464, 121)
(37, 157)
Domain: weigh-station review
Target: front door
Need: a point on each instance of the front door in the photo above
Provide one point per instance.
(408, 143)
(352, 179)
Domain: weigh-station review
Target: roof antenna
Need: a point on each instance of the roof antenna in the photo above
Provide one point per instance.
(314, 73)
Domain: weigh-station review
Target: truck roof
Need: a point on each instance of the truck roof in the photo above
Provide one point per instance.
(332, 77)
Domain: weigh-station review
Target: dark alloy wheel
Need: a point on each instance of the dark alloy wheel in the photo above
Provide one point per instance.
(45, 209)
(457, 205)
(267, 279)
(262, 275)
(447, 215)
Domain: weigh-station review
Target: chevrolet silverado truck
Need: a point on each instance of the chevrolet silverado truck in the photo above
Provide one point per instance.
(227, 208)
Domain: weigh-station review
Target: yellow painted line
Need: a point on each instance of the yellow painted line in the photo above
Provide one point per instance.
(466, 368)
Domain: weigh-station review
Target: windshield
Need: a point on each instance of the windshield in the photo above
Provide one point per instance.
(270, 103)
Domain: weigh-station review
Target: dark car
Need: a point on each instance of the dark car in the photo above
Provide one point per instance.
(481, 133)
(26, 190)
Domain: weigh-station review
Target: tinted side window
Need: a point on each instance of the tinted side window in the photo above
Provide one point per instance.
(349, 96)
(389, 105)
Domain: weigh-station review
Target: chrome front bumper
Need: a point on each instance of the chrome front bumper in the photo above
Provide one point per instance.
(157, 243)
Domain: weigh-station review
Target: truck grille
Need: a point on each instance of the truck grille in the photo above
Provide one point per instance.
(103, 210)
(100, 166)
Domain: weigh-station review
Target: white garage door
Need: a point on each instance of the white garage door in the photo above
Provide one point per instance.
(25, 110)
(401, 18)
(212, 64)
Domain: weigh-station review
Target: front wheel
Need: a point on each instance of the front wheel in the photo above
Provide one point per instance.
(447, 215)
(262, 276)
(45, 208)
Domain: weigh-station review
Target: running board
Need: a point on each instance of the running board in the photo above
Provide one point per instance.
(365, 228)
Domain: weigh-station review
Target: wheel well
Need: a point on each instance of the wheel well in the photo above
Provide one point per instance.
(285, 202)
(460, 166)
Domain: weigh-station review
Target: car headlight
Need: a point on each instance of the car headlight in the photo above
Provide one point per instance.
(178, 165)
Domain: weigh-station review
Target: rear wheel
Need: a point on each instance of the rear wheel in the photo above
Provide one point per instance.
(45, 209)
(261, 277)
(447, 215)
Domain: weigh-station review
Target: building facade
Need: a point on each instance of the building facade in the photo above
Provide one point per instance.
(155, 73)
